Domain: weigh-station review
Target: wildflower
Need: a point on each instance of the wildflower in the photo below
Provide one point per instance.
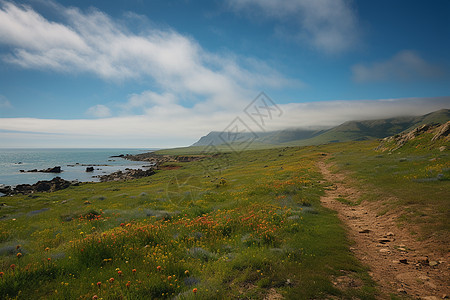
(158, 268)
(99, 284)
(47, 249)
(19, 255)
(1, 274)
(119, 272)
(13, 266)
(49, 259)
(186, 272)
(128, 284)
(169, 278)
(94, 297)
(122, 224)
(134, 270)
(194, 290)
(111, 280)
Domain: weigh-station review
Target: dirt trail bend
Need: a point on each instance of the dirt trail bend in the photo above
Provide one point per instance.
(399, 264)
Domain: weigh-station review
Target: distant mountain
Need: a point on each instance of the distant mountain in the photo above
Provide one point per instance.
(374, 129)
(273, 137)
(348, 131)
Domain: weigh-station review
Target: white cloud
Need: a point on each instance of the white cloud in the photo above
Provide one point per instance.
(99, 111)
(167, 124)
(328, 25)
(4, 103)
(92, 42)
(405, 65)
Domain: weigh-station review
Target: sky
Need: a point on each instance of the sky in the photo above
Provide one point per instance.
(154, 74)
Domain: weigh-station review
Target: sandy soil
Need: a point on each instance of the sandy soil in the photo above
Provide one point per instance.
(399, 263)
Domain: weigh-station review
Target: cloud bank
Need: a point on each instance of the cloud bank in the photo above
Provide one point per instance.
(330, 26)
(175, 126)
(406, 65)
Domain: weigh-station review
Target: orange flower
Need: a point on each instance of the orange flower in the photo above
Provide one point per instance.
(13, 266)
(186, 272)
(1, 274)
(47, 249)
(120, 273)
(111, 280)
(128, 284)
(99, 284)
(169, 278)
(158, 268)
(194, 290)
(94, 297)
(19, 255)
(49, 259)
(134, 270)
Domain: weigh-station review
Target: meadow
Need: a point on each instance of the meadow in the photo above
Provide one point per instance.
(241, 225)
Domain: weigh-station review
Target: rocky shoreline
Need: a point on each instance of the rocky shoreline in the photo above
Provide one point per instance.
(55, 184)
(157, 159)
(128, 175)
(56, 169)
(155, 162)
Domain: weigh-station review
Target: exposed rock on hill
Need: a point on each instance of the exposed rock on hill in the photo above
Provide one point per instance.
(395, 142)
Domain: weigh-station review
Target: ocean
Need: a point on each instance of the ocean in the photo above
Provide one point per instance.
(72, 161)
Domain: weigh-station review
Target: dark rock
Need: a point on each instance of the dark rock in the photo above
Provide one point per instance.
(90, 169)
(5, 190)
(55, 184)
(384, 241)
(404, 261)
(56, 169)
(52, 170)
(120, 155)
(129, 174)
(43, 186)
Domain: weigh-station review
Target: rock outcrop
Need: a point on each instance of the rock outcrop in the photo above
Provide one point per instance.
(56, 169)
(128, 175)
(55, 184)
(439, 131)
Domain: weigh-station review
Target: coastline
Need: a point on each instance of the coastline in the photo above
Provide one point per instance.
(151, 160)
(19, 167)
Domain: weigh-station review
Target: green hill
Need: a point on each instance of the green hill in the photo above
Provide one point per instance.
(348, 131)
(374, 129)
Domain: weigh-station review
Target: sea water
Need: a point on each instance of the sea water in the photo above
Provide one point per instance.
(73, 164)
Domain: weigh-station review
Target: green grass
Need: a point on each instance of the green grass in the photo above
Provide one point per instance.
(236, 225)
(414, 181)
(233, 226)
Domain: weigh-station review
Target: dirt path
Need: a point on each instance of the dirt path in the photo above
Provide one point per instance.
(400, 264)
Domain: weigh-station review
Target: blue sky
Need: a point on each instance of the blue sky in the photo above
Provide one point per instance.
(163, 73)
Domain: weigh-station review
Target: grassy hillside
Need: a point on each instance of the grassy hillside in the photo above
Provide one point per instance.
(258, 138)
(413, 181)
(348, 131)
(236, 225)
(233, 226)
(373, 129)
